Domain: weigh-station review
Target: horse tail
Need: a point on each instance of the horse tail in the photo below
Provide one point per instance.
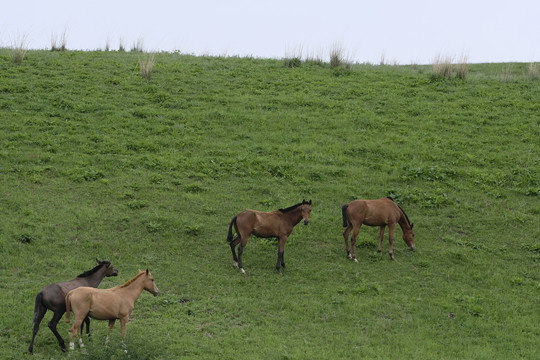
(68, 306)
(344, 213)
(38, 305)
(230, 235)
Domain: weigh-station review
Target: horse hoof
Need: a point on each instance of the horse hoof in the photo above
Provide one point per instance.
(355, 260)
(243, 271)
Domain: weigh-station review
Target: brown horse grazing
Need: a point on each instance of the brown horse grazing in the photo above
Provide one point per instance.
(53, 297)
(381, 212)
(279, 224)
(107, 304)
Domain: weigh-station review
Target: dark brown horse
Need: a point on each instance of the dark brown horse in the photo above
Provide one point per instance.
(53, 297)
(278, 224)
(107, 304)
(382, 212)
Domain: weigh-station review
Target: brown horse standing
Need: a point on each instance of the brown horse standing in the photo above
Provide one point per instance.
(382, 212)
(107, 304)
(53, 297)
(279, 223)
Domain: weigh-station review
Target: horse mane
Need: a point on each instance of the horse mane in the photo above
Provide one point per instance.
(95, 269)
(133, 279)
(400, 208)
(290, 208)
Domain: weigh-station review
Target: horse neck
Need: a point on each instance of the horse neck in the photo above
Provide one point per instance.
(133, 288)
(294, 216)
(94, 279)
(403, 222)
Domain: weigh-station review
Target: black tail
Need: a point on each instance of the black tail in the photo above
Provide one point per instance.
(230, 235)
(344, 213)
(38, 306)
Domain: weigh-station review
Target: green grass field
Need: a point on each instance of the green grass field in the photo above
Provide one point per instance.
(95, 161)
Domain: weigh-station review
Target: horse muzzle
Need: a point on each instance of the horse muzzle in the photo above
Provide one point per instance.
(306, 222)
(412, 248)
(155, 292)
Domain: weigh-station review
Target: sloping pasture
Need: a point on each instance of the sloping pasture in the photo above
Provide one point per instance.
(95, 161)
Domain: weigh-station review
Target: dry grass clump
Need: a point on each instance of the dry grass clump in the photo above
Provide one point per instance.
(59, 44)
(18, 50)
(146, 65)
(293, 58)
(533, 71)
(461, 68)
(443, 67)
(138, 46)
(338, 57)
(121, 45)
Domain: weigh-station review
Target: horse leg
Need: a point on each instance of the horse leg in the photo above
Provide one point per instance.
(352, 255)
(52, 325)
(39, 313)
(123, 322)
(346, 233)
(233, 244)
(241, 247)
(281, 250)
(75, 332)
(391, 228)
(381, 236)
(87, 323)
(111, 325)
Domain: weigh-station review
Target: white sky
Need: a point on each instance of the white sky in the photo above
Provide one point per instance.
(401, 31)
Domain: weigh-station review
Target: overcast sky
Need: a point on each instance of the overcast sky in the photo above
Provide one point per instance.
(398, 31)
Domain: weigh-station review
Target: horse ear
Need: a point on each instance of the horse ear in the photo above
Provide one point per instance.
(99, 262)
(309, 202)
(412, 224)
(147, 271)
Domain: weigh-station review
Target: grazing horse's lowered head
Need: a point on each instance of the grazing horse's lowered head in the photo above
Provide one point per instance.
(380, 212)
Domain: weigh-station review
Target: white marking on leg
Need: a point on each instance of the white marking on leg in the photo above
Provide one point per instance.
(355, 260)
(243, 271)
(71, 346)
(235, 265)
(80, 343)
(107, 340)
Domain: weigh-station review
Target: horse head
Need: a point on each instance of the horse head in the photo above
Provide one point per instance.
(408, 237)
(109, 269)
(306, 211)
(149, 284)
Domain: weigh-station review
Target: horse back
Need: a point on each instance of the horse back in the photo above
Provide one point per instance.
(374, 212)
(259, 223)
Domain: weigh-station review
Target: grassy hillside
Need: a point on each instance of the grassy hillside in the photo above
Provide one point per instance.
(97, 162)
